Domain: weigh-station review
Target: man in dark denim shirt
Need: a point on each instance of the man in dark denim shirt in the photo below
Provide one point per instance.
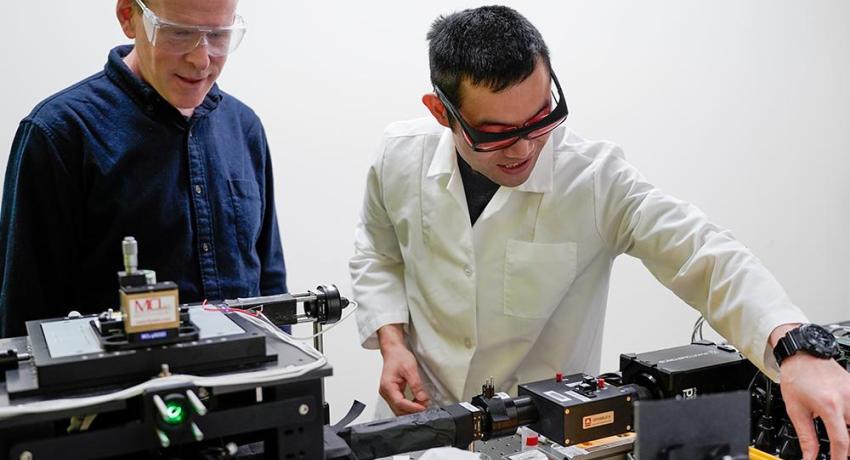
(149, 147)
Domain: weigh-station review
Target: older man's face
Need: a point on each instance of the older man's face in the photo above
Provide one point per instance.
(183, 79)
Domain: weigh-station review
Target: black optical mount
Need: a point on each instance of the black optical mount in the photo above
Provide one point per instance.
(322, 306)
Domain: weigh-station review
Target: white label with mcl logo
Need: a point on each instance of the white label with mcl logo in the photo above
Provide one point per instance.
(153, 310)
(592, 421)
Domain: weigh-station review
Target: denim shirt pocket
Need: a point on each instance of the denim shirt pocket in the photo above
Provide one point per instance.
(537, 276)
(247, 211)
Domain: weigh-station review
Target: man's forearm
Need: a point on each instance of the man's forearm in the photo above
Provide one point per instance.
(391, 336)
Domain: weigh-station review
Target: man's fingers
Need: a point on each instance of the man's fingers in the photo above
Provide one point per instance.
(805, 428)
(403, 407)
(398, 404)
(839, 440)
(392, 394)
(394, 397)
(415, 382)
(400, 372)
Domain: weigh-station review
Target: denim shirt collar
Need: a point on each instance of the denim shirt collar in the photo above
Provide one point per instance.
(144, 94)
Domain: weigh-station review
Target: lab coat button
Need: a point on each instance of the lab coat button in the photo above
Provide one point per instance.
(467, 342)
(467, 270)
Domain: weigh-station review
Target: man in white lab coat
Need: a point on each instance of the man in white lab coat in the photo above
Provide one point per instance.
(488, 234)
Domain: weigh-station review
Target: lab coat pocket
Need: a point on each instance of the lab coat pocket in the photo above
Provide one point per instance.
(537, 276)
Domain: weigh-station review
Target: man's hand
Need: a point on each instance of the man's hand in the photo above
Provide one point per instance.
(400, 371)
(814, 387)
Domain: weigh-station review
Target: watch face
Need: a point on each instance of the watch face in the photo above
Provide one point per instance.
(819, 339)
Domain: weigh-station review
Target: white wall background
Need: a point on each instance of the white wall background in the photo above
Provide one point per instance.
(742, 107)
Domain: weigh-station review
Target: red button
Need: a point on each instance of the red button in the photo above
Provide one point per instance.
(559, 376)
(531, 440)
(600, 383)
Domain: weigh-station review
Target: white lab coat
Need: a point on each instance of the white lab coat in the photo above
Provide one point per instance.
(522, 293)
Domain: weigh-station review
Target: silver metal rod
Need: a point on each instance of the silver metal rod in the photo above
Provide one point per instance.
(254, 301)
(163, 438)
(160, 406)
(318, 344)
(131, 250)
(197, 433)
(199, 406)
(304, 318)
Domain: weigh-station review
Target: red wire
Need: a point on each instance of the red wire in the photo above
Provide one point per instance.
(228, 309)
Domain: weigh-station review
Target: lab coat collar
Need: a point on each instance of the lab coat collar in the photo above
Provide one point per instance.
(540, 180)
(444, 161)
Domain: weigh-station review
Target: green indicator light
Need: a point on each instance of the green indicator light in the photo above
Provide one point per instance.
(174, 413)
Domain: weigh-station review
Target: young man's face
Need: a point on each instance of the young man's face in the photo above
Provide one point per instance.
(183, 79)
(498, 112)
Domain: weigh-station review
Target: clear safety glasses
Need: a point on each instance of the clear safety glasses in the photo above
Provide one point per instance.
(180, 38)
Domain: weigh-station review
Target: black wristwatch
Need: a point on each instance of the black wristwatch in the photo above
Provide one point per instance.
(811, 338)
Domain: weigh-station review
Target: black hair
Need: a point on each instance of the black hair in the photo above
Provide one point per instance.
(490, 45)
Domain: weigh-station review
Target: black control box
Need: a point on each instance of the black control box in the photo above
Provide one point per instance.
(688, 371)
(580, 408)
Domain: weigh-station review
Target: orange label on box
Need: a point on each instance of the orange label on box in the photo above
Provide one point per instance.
(592, 421)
